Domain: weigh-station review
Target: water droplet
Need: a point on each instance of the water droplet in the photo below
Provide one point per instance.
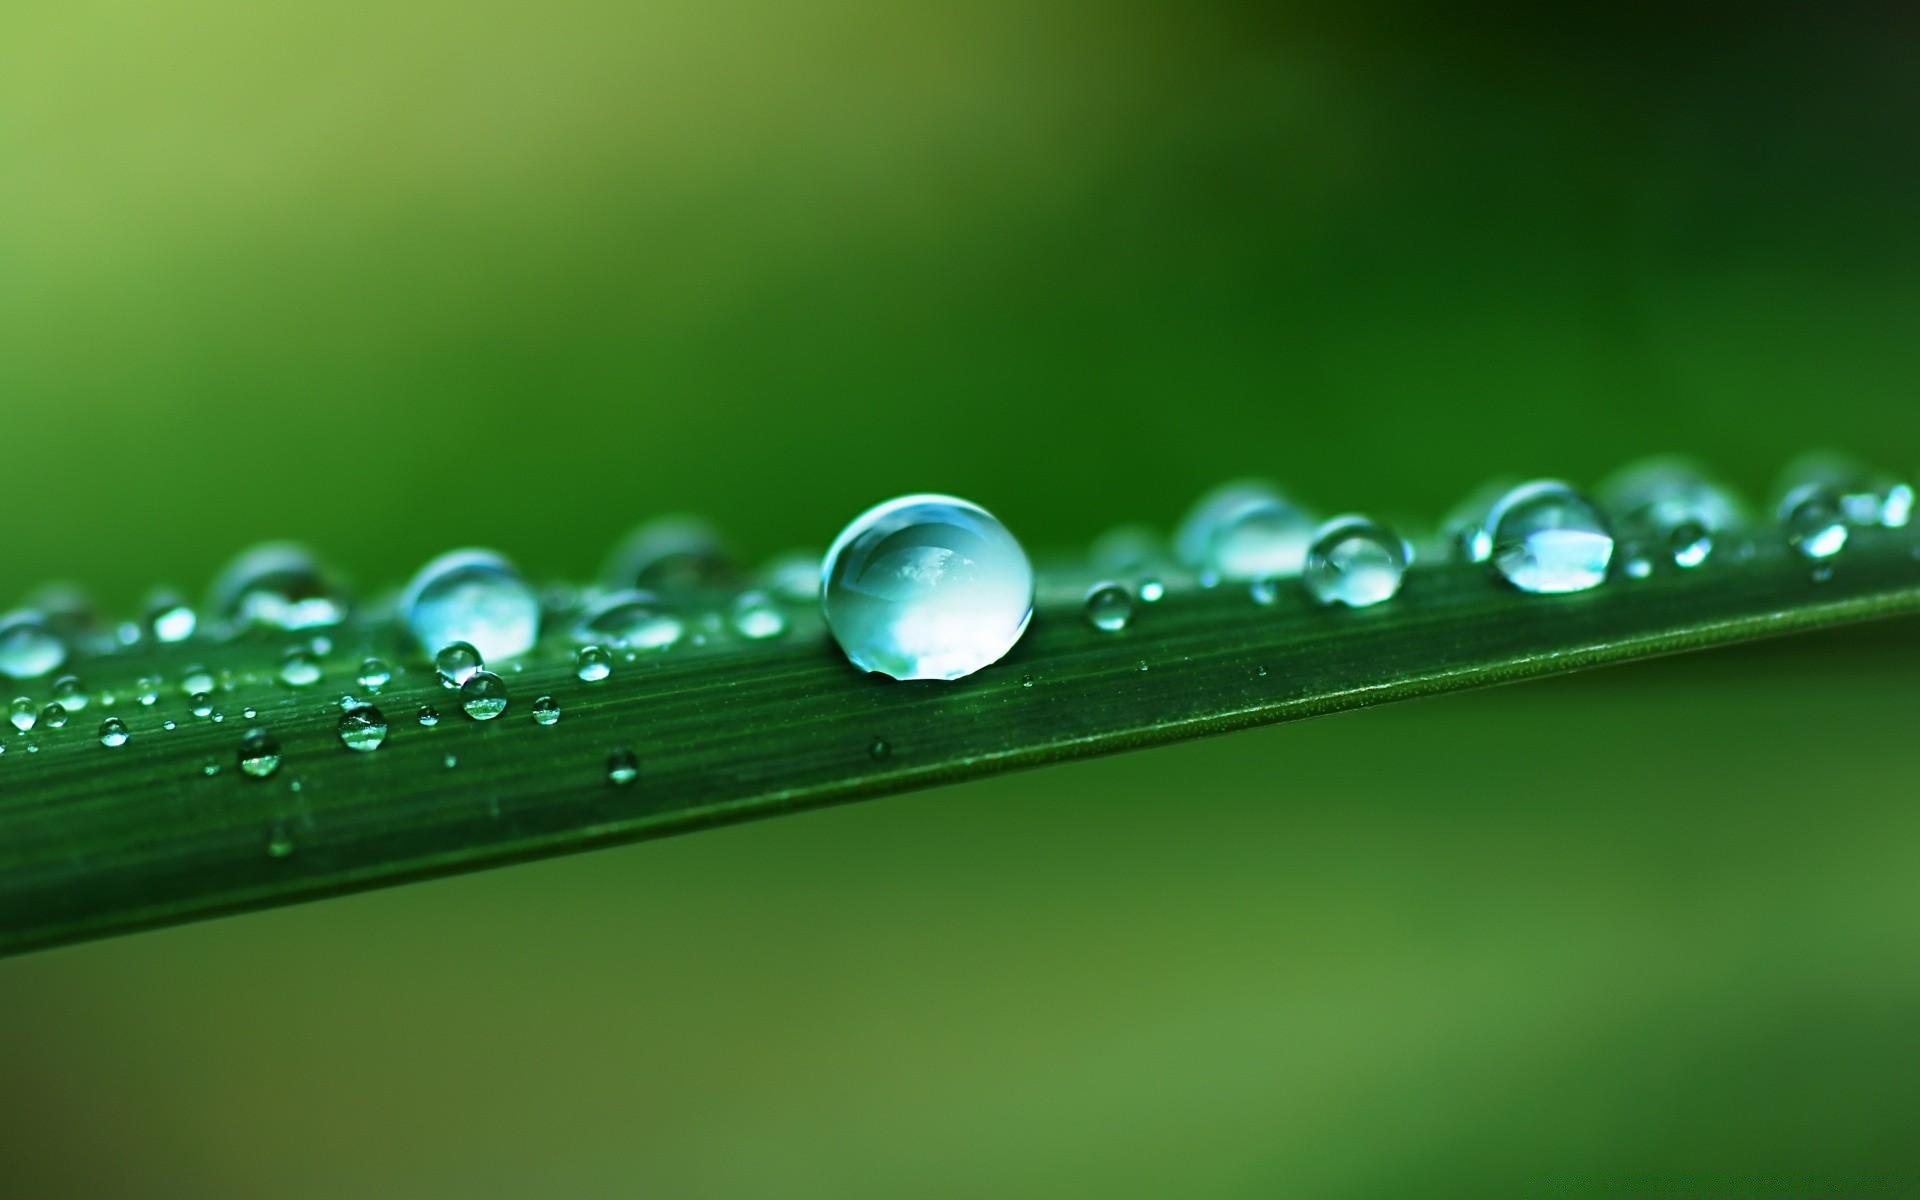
(375, 674)
(1815, 524)
(29, 646)
(429, 716)
(756, 616)
(169, 618)
(169, 726)
(1143, 664)
(23, 713)
(1108, 607)
(1245, 530)
(484, 695)
(1865, 497)
(279, 842)
(54, 716)
(1690, 543)
(363, 728)
(1026, 681)
(593, 664)
(299, 668)
(927, 587)
(1261, 671)
(1265, 591)
(1355, 561)
(671, 554)
(196, 679)
(879, 749)
(472, 596)
(113, 732)
(70, 694)
(628, 620)
(450, 762)
(278, 585)
(456, 663)
(1151, 590)
(210, 768)
(1638, 566)
(1670, 500)
(1548, 538)
(623, 767)
(1466, 528)
(248, 713)
(147, 691)
(259, 753)
(545, 711)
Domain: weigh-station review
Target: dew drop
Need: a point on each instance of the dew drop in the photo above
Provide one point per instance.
(879, 749)
(1466, 527)
(1026, 681)
(429, 716)
(147, 691)
(169, 618)
(248, 713)
(1690, 543)
(29, 646)
(623, 767)
(1151, 590)
(756, 616)
(1143, 664)
(628, 620)
(592, 664)
(279, 842)
(278, 585)
(1245, 530)
(1823, 572)
(1815, 524)
(374, 674)
(113, 732)
(23, 713)
(671, 554)
(259, 753)
(196, 680)
(450, 762)
(169, 726)
(54, 716)
(299, 668)
(1638, 566)
(1864, 497)
(794, 577)
(476, 597)
(456, 663)
(1355, 561)
(926, 587)
(210, 768)
(484, 695)
(1670, 501)
(363, 728)
(545, 711)
(70, 694)
(1548, 538)
(1108, 607)
(1265, 591)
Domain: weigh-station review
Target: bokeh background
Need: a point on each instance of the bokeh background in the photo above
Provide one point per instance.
(389, 278)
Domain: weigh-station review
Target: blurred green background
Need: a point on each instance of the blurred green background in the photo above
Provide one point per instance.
(390, 278)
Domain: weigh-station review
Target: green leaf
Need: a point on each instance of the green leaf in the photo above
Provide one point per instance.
(96, 840)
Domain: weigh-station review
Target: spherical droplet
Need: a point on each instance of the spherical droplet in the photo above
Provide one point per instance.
(756, 616)
(1108, 607)
(1689, 542)
(671, 554)
(259, 753)
(623, 767)
(472, 596)
(299, 668)
(54, 716)
(592, 664)
(879, 749)
(926, 587)
(429, 716)
(1548, 538)
(147, 691)
(1151, 590)
(169, 618)
(1637, 566)
(1245, 530)
(279, 841)
(70, 694)
(278, 585)
(196, 679)
(545, 711)
(1265, 591)
(484, 695)
(29, 646)
(1653, 498)
(456, 663)
(1355, 561)
(23, 713)
(374, 674)
(1815, 524)
(113, 732)
(363, 728)
(201, 705)
(628, 620)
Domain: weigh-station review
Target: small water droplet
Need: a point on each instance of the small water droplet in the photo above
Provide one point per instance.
(1151, 590)
(300, 668)
(879, 749)
(1356, 561)
(1026, 681)
(593, 664)
(1637, 566)
(278, 585)
(29, 646)
(1863, 496)
(211, 767)
(259, 753)
(1265, 591)
(545, 711)
(429, 716)
(169, 618)
(1108, 607)
(756, 616)
(456, 663)
(623, 767)
(484, 695)
(113, 732)
(628, 620)
(54, 716)
(1690, 543)
(247, 712)
(279, 842)
(794, 577)
(71, 694)
(169, 726)
(926, 587)
(147, 691)
(1245, 530)
(1547, 538)
(1143, 664)
(363, 728)
(1815, 524)
(476, 597)
(196, 679)
(23, 712)
(374, 674)
(1261, 671)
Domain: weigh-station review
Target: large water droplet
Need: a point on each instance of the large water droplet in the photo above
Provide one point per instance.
(926, 587)
(1815, 523)
(671, 554)
(628, 620)
(113, 732)
(278, 585)
(484, 696)
(1245, 530)
(300, 668)
(756, 616)
(54, 716)
(363, 728)
(1355, 561)
(259, 753)
(29, 646)
(1109, 607)
(374, 674)
(472, 596)
(70, 694)
(1549, 538)
(24, 713)
(545, 711)
(623, 767)
(593, 664)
